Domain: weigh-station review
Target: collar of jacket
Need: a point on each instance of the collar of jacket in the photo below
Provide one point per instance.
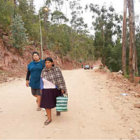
(52, 68)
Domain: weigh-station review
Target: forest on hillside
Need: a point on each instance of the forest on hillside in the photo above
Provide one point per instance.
(69, 36)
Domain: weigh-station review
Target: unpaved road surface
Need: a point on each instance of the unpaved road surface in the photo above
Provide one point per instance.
(95, 111)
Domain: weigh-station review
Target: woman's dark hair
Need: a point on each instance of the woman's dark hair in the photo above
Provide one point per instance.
(35, 53)
(49, 59)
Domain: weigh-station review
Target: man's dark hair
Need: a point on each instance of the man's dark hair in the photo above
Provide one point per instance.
(35, 53)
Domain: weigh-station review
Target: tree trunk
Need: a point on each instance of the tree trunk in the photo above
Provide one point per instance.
(15, 6)
(132, 51)
(15, 2)
(135, 50)
(124, 38)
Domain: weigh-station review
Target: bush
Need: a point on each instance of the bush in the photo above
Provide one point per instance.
(19, 37)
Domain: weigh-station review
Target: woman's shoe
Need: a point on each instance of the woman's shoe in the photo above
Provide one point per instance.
(58, 113)
(47, 122)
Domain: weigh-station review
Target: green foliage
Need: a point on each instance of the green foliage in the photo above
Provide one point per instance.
(66, 42)
(19, 37)
(31, 21)
(113, 60)
(126, 76)
(58, 16)
(77, 22)
(107, 25)
(6, 12)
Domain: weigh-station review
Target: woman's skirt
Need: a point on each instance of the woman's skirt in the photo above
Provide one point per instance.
(48, 98)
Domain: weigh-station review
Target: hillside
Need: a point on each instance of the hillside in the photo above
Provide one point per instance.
(12, 64)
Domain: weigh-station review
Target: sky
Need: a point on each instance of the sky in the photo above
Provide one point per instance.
(117, 4)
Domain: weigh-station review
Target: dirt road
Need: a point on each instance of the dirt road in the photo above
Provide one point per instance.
(92, 113)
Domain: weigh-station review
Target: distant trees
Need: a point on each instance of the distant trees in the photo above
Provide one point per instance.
(107, 45)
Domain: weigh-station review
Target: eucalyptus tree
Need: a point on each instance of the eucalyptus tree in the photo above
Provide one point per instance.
(58, 17)
(124, 38)
(77, 21)
(137, 37)
(77, 24)
(107, 26)
(132, 48)
(54, 16)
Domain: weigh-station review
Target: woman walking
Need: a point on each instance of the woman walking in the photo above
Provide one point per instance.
(52, 85)
(33, 77)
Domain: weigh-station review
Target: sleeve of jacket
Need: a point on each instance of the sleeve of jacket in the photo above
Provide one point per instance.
(28, 73)
(41, 83)
(60, 80)
(43, 63)
(42, 73)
